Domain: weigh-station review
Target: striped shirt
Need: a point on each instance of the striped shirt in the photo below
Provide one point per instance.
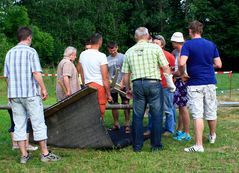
(143, 60)
(20, 63)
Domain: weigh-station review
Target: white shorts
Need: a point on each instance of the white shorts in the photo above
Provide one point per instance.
(202, 101)
(22, 109)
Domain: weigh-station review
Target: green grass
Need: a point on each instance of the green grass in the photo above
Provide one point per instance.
(226, 87)
(219, 157)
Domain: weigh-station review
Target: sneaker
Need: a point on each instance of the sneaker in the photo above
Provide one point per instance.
(15, 147)
(177, 133)
(194, 148)
(32, 148)
(50, 157)
(212, 138)
(182, 136)
(24, 159)
(187, 138)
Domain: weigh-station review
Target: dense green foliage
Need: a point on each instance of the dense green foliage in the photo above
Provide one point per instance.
(11, 18)
(61, 23)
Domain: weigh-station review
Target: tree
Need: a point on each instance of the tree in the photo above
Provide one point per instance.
(73, 22)
(12, 16)
(5, 45)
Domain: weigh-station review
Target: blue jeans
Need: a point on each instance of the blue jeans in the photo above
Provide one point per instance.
(169, 111)
(147, 92)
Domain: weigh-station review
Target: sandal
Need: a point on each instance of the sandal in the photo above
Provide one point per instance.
(127, 129)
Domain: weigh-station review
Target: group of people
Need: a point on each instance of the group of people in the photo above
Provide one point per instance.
(195, 62)
(145, 72)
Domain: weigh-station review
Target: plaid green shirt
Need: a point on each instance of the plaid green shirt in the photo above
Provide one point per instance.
(143, 60)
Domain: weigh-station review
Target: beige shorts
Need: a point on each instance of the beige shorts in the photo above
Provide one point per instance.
(202, 101)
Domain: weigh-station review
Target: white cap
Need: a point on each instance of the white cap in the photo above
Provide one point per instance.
(177, 37)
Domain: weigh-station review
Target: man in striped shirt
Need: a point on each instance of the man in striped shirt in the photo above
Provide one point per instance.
(142, 64)
(26, 90)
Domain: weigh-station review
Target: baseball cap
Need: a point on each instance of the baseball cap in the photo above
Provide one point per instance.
(177, 37)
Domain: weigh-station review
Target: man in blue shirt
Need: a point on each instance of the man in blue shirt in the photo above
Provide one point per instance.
(201, 57)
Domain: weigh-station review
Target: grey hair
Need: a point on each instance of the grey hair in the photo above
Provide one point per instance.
(69, 50)
(141, 31)
(161, 38)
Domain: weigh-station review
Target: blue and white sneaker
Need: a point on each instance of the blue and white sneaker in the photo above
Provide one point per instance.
(179, 132)
(182, 136)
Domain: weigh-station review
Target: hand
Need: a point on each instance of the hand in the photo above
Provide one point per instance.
(176, 74)
(170, 83)
(109, 99)
(172, 88)
(184, 77)
(129, 94)
(44, 94)
(68, 93)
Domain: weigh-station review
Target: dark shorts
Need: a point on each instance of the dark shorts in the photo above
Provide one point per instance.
(11, 129)
(180, 95)
(115, 97)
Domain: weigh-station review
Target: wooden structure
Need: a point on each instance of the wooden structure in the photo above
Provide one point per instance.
(76, 122)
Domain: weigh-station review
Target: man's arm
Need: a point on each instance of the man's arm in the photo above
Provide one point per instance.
(126, 80)
(66, 81)
(217, 63)
(80, 72)
(38, 77)
(169, 78)
(182, 64)
(126, 83)
(105, 78)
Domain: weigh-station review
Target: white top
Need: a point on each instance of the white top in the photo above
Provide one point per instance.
(176, 54)
(91, 60)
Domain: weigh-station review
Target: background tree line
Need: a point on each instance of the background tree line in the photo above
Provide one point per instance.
(59, 23)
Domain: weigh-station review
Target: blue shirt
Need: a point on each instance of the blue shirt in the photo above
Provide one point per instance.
(201, 54)
(20, 63)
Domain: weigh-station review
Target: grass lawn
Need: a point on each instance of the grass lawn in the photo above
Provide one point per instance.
(223, 156)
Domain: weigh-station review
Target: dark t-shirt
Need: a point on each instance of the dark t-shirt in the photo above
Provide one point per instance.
(201, 54)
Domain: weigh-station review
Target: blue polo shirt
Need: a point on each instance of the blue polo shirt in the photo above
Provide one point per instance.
(201, 54)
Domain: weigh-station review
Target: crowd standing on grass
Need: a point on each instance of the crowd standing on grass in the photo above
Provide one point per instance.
(142, 66)
(94, 72)
(201, 57)
(67, 76)
(180, 95)
(146, 74)
(115, 62)
(26, 90)
(168, 107)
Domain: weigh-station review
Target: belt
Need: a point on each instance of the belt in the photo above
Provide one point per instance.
(146, 79)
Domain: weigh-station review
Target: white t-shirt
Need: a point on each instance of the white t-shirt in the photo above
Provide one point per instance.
(91, 60)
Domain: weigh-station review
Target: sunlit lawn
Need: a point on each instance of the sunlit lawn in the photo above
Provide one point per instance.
(223, 156)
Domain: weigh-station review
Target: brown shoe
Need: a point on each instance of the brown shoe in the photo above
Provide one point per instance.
(166, 134)
(147, 133)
